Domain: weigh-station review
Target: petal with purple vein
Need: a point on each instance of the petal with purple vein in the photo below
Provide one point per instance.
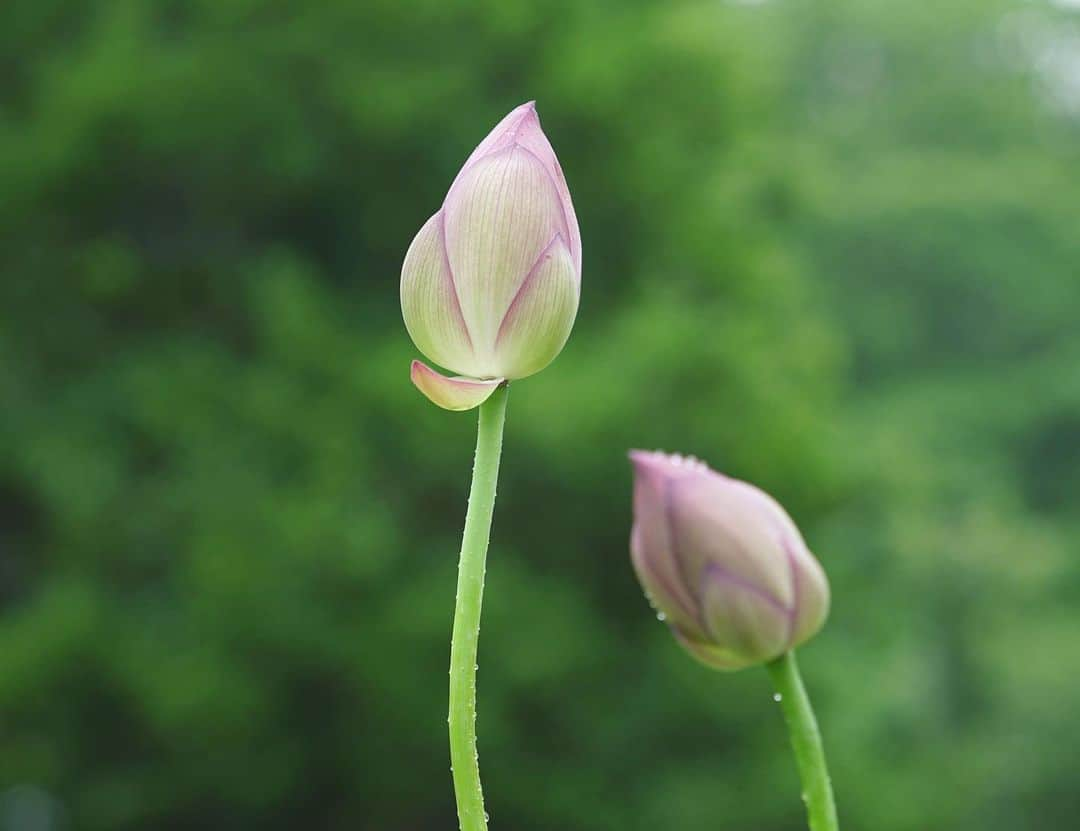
(429, 302)
(499, 217)
(539, 318)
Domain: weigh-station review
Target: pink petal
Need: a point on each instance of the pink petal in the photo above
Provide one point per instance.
(743, 618)
(521, 128)
(499, 220)
(538, 320)
(652, 550)
(430, 304)
(451, 393)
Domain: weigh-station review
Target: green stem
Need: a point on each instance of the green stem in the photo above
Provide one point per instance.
(470, 593)
(806, 742)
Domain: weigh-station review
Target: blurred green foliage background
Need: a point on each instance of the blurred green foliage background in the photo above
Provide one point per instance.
(832, 247)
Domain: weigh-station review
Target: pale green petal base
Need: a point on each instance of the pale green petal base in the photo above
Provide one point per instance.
(452, 393)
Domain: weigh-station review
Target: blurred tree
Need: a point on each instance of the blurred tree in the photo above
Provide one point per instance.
(830, 247)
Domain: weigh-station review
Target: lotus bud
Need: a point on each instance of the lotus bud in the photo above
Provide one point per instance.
(722, 563)
(490, 284)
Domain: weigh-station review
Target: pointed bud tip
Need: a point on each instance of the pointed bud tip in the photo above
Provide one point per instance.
(522, 117)
(525, 110)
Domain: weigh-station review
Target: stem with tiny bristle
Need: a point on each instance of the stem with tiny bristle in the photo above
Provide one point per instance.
(470, 591)
(806, 742)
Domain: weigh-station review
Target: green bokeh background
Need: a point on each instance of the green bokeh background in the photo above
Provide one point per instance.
(832, 247)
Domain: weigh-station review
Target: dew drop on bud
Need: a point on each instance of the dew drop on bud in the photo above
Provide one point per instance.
(661, 616)
(777, 697)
